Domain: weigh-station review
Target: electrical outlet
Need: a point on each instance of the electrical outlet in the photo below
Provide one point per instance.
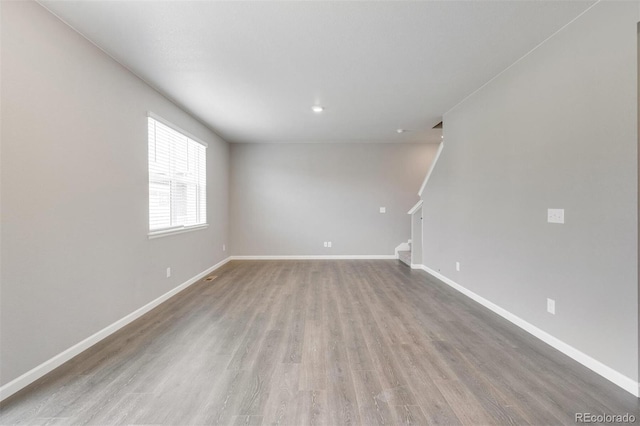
(383, 209)
(329, 244)
(224, 247)
(326, 244)
(555, 215)
(458, 266)
(168, 272)
(551, 306)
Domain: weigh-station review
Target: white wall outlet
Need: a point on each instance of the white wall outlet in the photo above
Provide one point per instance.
(326, 244)
(168, 272)
(458, 266)
(383, 209)
(555, 215)
(224, 247)
(551, 306)
(329, 244)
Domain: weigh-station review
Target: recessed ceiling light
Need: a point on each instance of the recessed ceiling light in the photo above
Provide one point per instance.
(402, 130)
(317, 108)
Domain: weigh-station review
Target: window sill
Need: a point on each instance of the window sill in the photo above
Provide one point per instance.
(173, 231)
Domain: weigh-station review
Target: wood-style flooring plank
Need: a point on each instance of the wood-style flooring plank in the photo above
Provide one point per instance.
(410, 415)
(312, 409)
(395, 387)
(464, 403)
(313, 369)
(223, 400)
(247, 420)
(373, 409)
(341, 397)
(282, 404)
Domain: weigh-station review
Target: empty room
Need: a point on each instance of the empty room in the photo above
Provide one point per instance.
(319, 212)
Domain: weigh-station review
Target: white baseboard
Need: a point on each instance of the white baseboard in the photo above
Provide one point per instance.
(416, 266)
(319, 257)
(605, 371)
(35, 373)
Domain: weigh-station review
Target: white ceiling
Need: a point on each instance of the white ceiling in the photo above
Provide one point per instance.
(252, 70)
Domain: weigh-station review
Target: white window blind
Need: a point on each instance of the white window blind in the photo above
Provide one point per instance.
(177, 179)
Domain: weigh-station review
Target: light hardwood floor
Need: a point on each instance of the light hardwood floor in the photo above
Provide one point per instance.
(318, 343)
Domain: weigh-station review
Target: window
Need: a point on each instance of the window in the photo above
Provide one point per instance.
(177, 180)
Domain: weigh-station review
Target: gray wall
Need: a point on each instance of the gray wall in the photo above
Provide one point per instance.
(556, 130)
(75, 252)
(287, 199)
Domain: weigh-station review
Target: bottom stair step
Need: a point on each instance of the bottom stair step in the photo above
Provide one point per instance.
(405, 257)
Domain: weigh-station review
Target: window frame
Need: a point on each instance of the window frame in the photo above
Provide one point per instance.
(178, 229)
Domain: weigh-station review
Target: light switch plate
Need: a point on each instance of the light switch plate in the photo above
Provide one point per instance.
(555, 215)
(383, 209)
(551, 306)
